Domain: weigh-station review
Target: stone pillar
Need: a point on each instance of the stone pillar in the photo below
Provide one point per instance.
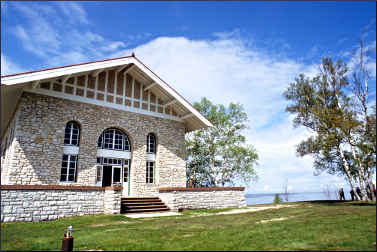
(111, 200)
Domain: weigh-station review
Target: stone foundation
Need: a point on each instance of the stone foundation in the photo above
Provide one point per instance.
(199, 198)
(38, 203)
(111, 201)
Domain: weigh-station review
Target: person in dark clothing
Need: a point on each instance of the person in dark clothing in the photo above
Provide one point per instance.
(374, 190)
(369, 191)
(341, 194)
(358, 191)
(352, 195)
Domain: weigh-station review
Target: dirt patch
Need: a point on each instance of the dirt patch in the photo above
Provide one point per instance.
(187, 235)
(109, 224)
(253, 209)
(275, 219)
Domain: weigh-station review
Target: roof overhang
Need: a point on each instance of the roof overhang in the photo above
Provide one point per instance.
(12, 86)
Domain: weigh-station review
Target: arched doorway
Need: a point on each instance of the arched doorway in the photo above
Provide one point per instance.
(114, 159)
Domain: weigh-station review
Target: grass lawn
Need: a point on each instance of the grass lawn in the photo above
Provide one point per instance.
(307, 226)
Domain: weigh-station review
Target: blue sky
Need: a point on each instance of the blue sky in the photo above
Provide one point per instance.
(245, 52)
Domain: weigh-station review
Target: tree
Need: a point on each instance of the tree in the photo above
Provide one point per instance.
(321, 106)
(219, 154)
(361, 75)
(277, 199)
(342, 140)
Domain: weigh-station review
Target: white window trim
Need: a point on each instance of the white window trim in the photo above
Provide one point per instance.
(148, 172)
(68, 168)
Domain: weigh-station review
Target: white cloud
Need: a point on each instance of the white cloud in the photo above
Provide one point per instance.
(74, 12)
(8, 66)
(113, 46)
(46, 34)
(369, 58)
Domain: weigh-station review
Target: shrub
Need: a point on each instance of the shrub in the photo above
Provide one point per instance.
(277, 199)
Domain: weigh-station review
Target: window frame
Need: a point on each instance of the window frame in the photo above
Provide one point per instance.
(151, 145)
(71, 124)
(150, 172)
(68, 168)
(109, 138)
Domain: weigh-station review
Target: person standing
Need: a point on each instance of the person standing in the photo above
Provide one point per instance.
(341, 194)
(352, 195)
(358, 191)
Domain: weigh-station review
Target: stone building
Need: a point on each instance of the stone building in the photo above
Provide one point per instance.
(109, 125)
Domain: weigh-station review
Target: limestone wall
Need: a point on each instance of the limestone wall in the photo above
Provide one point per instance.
(197, 198)
(38, 203)
(39, 141)
(111, 201)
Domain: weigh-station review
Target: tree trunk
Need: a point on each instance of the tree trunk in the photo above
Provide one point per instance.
(348, 172)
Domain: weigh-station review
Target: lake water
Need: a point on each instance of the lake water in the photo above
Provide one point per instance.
(265, 198)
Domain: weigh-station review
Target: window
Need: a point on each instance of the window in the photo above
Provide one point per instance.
(99, 173)
(72, 134)
(151, 143)
(150, 172)
(126, 170)
(69, 165)
(114, 139)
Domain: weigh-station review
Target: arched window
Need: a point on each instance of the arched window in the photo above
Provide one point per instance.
(114, 139)
(72, 134)
(151, 143)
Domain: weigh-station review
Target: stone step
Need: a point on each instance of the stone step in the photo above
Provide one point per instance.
(147, 210)
(138, 198)
(143, 203)
(144, 206)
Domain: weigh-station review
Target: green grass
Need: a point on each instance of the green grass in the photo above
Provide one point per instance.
(309, 226)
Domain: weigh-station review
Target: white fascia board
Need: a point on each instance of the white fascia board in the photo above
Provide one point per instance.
(53, 73)
(172, 92)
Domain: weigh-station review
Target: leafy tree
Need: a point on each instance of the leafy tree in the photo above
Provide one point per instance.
(219, 154)
(341, 143)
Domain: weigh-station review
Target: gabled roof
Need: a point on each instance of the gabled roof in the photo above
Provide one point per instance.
(14, 83)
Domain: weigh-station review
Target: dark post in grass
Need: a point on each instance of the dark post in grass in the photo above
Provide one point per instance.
(67, 240)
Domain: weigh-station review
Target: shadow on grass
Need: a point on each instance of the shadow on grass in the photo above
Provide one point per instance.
(337, 202)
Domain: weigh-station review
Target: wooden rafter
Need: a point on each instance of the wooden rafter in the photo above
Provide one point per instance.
(150, 86)
(35, 84)
(130, 66)
(97, 72)
(171, 102)
(121, 68)
(65, 78)
(187, 116)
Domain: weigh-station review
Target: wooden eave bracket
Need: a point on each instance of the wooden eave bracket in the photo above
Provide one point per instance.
(123, 67)
(187, 116)
(150, 86)
(171, 102)
(97, 72)
(65, 78)
(35, 84)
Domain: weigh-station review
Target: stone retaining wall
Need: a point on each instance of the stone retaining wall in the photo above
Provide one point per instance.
(37, 202)
(195, 198)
